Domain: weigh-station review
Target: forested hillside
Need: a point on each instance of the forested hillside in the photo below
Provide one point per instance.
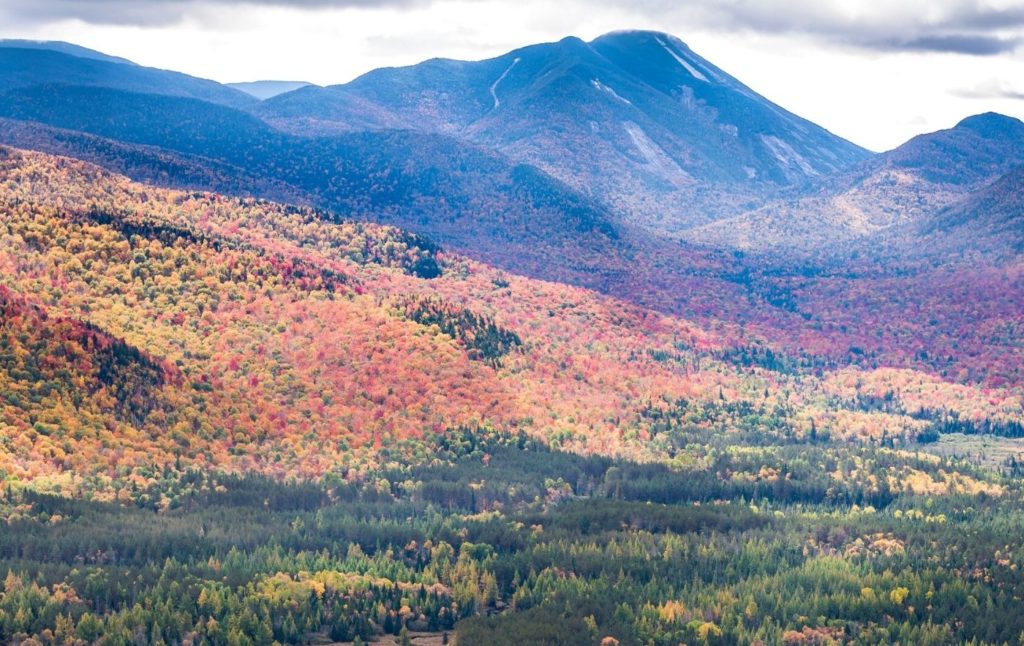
(157, 342)
(442, 356)
(253, 336)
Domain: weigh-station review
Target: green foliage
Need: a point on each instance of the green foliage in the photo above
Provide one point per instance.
(480, 335)
(547, 548)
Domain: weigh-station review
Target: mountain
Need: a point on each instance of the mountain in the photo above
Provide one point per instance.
(976, 150)
(63, 48)
(893, 192)
(263, 90)
(22, 67)
(634, 119)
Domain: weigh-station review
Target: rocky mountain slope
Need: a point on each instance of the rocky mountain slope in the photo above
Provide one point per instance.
(900, 191)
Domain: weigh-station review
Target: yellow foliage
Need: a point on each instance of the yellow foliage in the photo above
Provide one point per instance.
(899, 595)
(671, 611)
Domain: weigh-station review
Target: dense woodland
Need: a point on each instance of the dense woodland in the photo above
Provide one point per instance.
(228, 421)
(501, 540)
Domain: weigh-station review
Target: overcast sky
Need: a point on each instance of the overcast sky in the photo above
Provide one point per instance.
(875, 72)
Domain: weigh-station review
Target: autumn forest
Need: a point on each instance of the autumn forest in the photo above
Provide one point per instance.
(343, 366)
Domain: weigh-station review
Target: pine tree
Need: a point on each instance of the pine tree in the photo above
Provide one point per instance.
(289, 630)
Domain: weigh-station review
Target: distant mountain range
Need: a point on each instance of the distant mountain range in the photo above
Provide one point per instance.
(63, 48)
(635, 123)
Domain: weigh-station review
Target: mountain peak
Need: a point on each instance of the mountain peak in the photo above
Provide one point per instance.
(568, 46)
(641, 38)
(637, 34)
(666, 57)
(571, 40)
(992, 124)
(629, 113)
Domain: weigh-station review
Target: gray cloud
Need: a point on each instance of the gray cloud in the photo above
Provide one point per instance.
(972, 44)
(989, 90)
(971, 27)
(974, 15)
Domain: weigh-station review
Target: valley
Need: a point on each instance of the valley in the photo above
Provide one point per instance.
(588, 343)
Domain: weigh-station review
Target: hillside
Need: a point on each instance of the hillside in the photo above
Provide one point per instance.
(148, 164)
(243, 335)
(287, 331)
(995, 212)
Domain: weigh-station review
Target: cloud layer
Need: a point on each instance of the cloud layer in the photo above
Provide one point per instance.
(991, 89)
(973, 27)
(154, 13)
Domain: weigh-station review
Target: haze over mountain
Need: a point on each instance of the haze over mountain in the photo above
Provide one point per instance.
(263, 90)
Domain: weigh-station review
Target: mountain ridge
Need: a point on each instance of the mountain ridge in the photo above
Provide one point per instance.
(22, 68)
(63, 48)
(437, 191)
